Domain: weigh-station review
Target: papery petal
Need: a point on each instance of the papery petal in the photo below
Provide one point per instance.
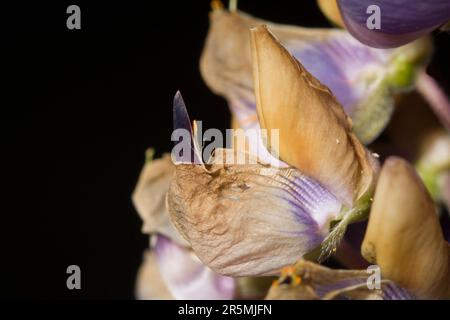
(363, 80)
(186, 277)
(149, 198)
(244, 220)
(315, 133)
(310, 281)
(435, 96)
(149, 284)
(401, 21)
(404, 236)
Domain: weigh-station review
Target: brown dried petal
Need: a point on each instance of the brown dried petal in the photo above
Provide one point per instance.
(244, 220)
(149, 198)
(315, 133)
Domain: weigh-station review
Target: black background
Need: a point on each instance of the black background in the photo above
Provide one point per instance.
(85, 105)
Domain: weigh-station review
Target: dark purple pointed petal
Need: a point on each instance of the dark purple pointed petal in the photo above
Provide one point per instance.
(402, 21)
(181, 121)
(180, 115)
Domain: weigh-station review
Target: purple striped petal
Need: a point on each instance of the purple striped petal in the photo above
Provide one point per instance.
(183, 131)
(435, 96)
(186, 277)
(330, 284)
(401, 21)
(392, 291)
(355, 73)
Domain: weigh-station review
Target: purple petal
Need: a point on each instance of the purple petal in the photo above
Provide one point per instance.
(401, 21)
(390, 290)
(182, 122)
(340, 63)
(186, 277)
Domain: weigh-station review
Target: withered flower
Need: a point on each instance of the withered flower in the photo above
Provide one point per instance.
(327, 95)
(254, 219)
(248, 219)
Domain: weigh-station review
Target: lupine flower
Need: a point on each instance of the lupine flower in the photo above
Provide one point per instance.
(231, 220)
(309, 281)
(401, 21)
(404, 236)
(170, 269)
(364, 80)
(254, 219)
